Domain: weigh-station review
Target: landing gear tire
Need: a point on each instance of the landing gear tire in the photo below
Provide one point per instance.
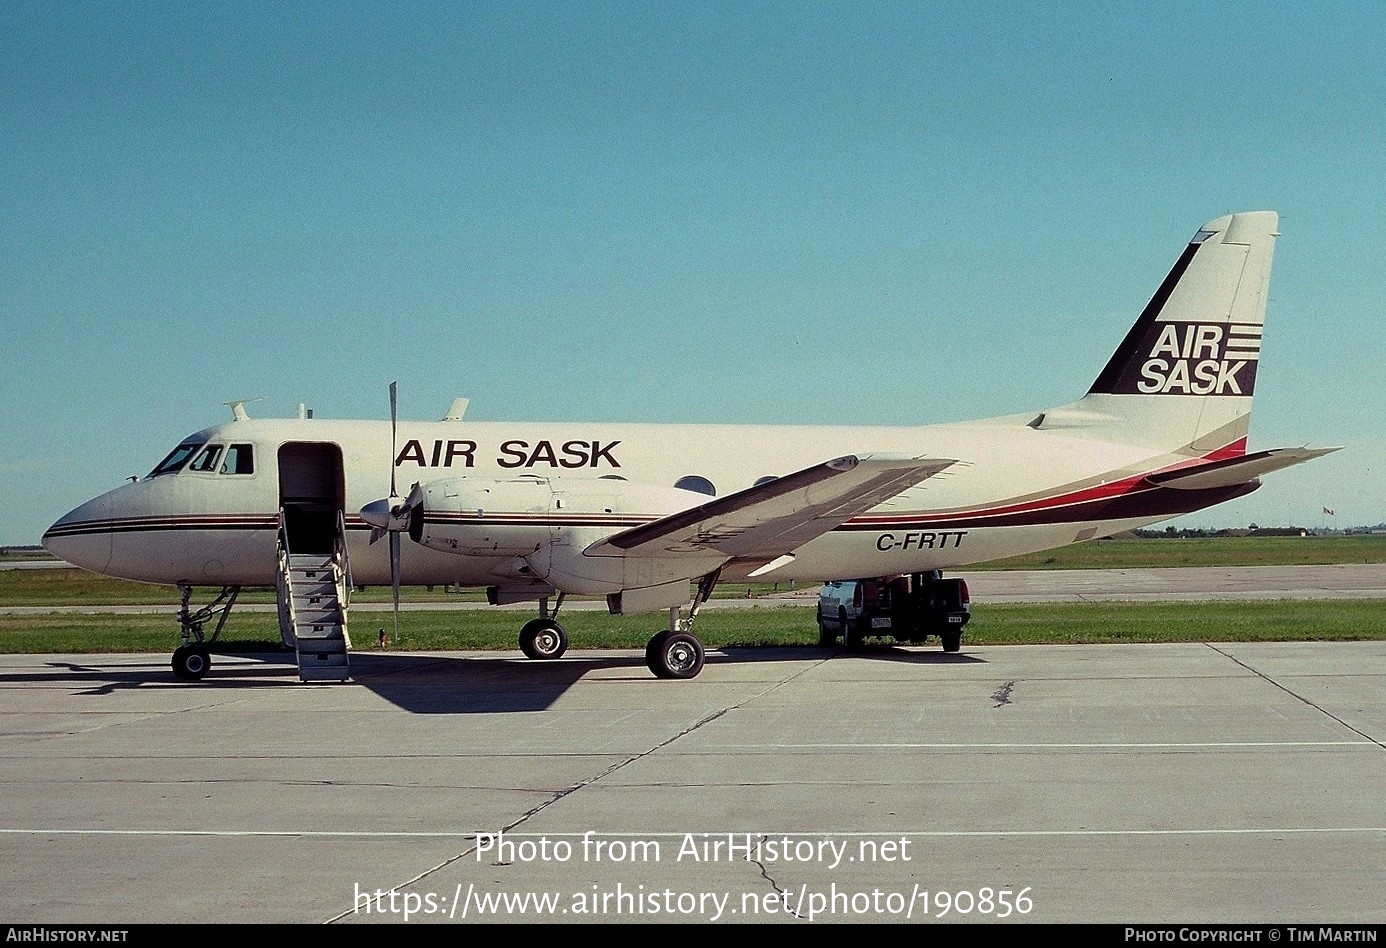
(826, 637)
(852, 639)
(952, 641)
(674, 655)
(191, 662)
(543, 639)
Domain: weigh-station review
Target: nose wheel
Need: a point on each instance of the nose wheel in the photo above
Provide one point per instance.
(193, 659)
(191, 662)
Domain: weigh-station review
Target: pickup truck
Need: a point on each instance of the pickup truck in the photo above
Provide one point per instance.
(908, 608)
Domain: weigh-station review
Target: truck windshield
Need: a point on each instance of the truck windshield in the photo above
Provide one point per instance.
(176, 458)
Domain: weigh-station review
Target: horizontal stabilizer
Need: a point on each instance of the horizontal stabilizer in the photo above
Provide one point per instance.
(777, 517)
(1233, 471)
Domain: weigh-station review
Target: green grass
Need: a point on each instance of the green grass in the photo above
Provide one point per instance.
(992, 624)
(75, 587)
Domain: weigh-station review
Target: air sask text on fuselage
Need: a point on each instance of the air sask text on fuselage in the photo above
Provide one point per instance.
(515, 453)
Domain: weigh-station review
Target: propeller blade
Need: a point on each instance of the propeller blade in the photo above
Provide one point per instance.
(394, 576)
(394, 429)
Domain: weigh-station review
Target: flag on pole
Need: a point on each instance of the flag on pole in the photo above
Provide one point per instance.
(1331, 513)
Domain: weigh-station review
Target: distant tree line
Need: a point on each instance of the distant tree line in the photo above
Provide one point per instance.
(1253, 530)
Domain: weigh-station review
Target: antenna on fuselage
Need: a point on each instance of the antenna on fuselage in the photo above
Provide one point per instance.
(237, 407)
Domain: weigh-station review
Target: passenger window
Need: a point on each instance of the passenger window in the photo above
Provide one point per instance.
(207, 460)
(695, 483)
(240, 459)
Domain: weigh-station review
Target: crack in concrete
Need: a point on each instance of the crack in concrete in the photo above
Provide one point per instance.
(765, 874)
(1296, 695)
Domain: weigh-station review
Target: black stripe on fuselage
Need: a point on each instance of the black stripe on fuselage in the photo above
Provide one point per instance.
(90, 527)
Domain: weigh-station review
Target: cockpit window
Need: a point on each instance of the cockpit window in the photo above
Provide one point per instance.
(176, 458)
(207, 459)
(240, 459)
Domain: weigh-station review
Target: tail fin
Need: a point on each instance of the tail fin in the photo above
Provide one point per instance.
(1184, 375)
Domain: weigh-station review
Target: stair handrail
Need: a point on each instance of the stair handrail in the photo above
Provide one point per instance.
(341, 554)
(341, 569)
(282, 580)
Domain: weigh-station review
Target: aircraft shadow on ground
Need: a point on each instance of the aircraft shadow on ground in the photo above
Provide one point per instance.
(105, 679)
(482, 685)
(440, 683)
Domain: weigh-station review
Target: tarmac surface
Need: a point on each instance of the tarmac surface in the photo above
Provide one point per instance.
(1192, 783)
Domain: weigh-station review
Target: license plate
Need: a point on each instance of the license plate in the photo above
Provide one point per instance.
(955, 620)
(881, 623)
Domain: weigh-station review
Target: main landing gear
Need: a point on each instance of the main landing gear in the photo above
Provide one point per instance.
(193, 659)
(676, 652)
(543, 638)
(672, 653)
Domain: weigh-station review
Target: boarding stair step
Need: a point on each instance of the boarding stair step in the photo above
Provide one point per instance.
(316, 613)
(323, 667)
(320, 632)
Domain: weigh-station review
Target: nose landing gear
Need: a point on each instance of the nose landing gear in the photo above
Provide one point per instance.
(192, 660)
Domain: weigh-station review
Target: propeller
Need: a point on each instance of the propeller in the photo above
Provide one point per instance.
(389, 515)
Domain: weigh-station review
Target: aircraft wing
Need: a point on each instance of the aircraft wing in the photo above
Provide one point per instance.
(767, 522)
(1233, 471)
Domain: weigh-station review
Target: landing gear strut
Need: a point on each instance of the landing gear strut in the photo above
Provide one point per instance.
(193, 659)
(676, 651)
(543, 638)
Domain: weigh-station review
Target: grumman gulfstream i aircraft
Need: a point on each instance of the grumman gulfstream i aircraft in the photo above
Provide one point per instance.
(652, 517)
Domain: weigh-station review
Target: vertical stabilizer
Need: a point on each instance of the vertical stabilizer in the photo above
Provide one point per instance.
(1185, 373)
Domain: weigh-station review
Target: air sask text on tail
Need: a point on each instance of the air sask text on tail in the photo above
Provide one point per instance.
(1201, 332)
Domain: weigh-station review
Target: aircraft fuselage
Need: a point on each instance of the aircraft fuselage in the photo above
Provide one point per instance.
(1015, 489)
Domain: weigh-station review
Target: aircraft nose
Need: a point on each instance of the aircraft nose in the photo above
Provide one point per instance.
(83, 536)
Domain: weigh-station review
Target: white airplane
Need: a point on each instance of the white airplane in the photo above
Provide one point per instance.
(653, 516)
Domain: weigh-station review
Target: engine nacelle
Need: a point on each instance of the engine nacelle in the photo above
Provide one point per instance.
(548, 522)
(480, 516)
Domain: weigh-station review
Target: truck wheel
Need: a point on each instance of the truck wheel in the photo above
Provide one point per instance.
(952, 641)
(851, 637)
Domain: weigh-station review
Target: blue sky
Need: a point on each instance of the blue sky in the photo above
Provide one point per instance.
(764, 212)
